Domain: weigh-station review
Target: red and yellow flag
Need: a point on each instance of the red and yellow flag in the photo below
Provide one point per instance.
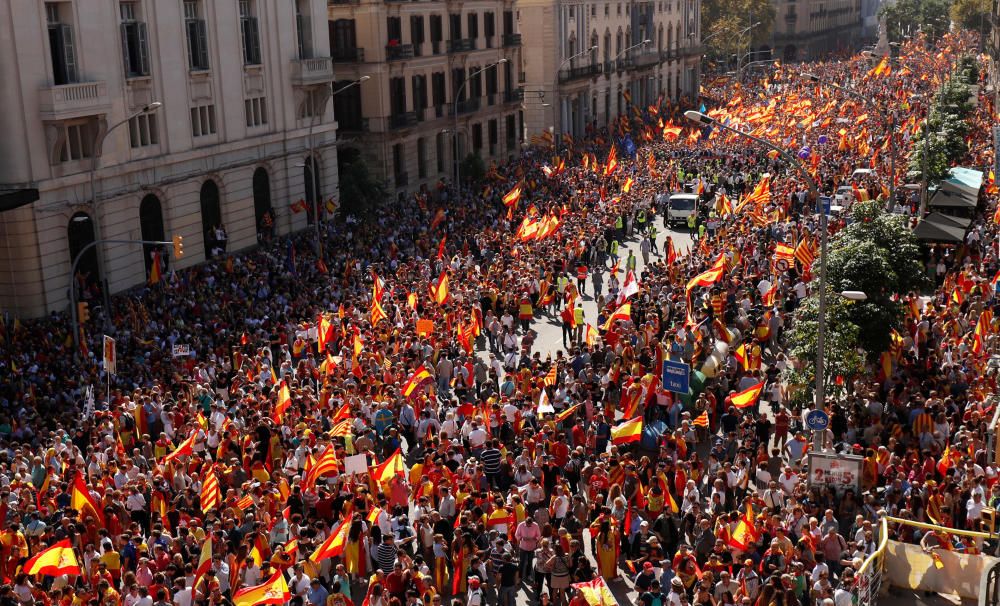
(211, 495)
(701, 420)
(419, 378)
(54, 561)
(623, 313)
(272, 591)
(748, 397)
(627, 432)
(184, 448)
(333, 545)
(510, 198)
(384, 471)
(284, 401)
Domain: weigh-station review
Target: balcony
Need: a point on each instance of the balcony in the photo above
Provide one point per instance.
(609, 66)
(398, 52)
(646, 59)
(353, 126)
(580, 72)
(309, 72)
(468, 106)
(333, 2)
(513, 96)
(461, 45)
(668, 55)
(624, 63)
(348, 55)
(403, 120)
(512, 40)
(68, 101)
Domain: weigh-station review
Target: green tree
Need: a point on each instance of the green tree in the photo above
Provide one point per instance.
(473, 169)
(841, 355)
(361, 194)
(906, 17)
(972, 15)
(723, 20)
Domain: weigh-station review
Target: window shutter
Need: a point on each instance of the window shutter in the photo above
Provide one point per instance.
(69, 56)
(192, 40)
(255, 41)
(143, 49)
(202, 44)
(125, 54)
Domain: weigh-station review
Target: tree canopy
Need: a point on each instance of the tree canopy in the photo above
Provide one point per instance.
(723, 20)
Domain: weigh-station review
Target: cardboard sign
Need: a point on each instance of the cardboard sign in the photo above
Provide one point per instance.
(355, 464)
(181, 350)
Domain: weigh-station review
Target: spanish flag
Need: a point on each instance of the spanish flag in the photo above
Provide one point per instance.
(156, 269)
(81, 499)
(596, 592)
(511, 198)
(384, 471)
(439, 291)
(325, 332)
(748, 397)
(273, 591)
(591, 335)
(184, 448)
(333, 545)
(612, 164)
(562, 416)
(204, 560)
(629, 431)
(623, 313)
(419, 378)
(284, 401)
(671, 501)
(54, 561)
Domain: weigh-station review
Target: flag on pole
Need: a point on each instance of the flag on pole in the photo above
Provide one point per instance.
(110, 357)
(748, 397)
(629, 431)
(55, 561)
(418, 379)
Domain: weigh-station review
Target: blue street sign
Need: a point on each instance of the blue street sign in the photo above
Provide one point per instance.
(817, 420)
(825, 202)
(676, 376)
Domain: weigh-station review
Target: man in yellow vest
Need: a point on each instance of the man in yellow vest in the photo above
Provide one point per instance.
(578, 316)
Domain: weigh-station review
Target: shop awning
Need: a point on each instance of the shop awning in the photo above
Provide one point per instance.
(938, 227)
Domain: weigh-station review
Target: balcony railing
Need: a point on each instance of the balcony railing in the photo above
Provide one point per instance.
(440, 111)
(624, 63)
(461, 45)
(398, 52)
(646, 59)
(348, 55)
(353, 126)
(513, 96)
(580, 72)
(333, 2)
(73, 100)
(469, 105)
(307, 72)
(609, 66)
(403, 120)
(512, 39)
(668, 55)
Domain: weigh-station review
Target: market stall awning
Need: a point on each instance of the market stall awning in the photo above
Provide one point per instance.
(938, 227)
(951, 198)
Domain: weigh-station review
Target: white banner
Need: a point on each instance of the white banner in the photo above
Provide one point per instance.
(838, 471)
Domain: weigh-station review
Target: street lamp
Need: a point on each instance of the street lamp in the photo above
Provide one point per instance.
(823, 237)
(96, 156)
(888, 117)
(458, 94)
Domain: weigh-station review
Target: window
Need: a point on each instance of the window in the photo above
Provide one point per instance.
(135, 42)
(508, 23)
(313, 105)
(417, 33)
(197, 36)
(61, 47)
(422, 158)
(419, 85)
(77, 141)
(455, 22)
(397, 95)
(473, 25)
(303, 29)
(494, 135)
(489, 28)
(491, 84)
(344, 43)
(511, 132)
(394, 29)
(441, 151)
(347, 106)
(142, 131)
(398, 164)
(250, 33)
(256, 111)
(571, 12)
(438, 89)
(619, 9)
(437, 33)
(202, 120)
(477, 138)
(607, 10)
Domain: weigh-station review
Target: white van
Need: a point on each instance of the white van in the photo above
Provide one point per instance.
(680, 207)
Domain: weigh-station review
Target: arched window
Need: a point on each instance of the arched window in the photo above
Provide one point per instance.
(607, 45)
(593, 44)
(262, 201)
(151, 228)
(211, 220)
(314, 186)
(80, 233)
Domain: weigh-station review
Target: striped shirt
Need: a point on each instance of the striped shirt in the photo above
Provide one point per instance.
(385, 557)
(492, 459)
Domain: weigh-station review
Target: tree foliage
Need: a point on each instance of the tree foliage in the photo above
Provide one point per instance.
(361, 194)
(972, 15)
(947, 125)
(723, 20)
(907, 17)
(473, 169)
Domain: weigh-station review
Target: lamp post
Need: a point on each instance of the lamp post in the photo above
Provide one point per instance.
(820, 395)
(313, 165)
(96, 152)
(458, 94)
(887, 116)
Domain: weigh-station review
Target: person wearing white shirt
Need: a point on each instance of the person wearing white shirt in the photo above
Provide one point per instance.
(298, 585)
(182, 593)
(974, 508)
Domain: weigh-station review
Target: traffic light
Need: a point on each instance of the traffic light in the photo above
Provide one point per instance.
(178, 247)
(82, 312)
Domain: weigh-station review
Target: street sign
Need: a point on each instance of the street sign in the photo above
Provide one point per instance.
(817, 420)
(676, 376)
(825, 202)
(838, 471)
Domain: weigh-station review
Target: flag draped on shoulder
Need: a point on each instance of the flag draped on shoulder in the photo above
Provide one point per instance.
(623, 313)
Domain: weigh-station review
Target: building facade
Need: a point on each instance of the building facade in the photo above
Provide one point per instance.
(806, 29)
(589, 58)
(238, 124)
(434, 84)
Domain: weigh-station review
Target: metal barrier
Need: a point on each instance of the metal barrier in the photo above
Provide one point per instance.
(868, 580)
(989, 594)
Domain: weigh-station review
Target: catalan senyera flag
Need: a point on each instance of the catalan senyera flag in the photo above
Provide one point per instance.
(333, 545)
(983, 329)
(562, 416)
(805, 252)
(748, 397)
(54, 561)
(326, 463)
(701, 420)
(551, 376)
(378, 287)
(510, 198)
(378, 314)
(284, 401)
(596, 592)
(623, 313)
(272, 591)
(82, 501)
(384, 471)
(211, 494)
(629, 431)
(419, 378)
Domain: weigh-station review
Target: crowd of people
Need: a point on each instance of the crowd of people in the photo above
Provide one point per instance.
(495, 467)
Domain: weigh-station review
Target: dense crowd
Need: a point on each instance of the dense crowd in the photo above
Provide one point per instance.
(497, 467)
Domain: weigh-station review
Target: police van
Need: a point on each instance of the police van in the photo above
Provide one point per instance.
(680, 206)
